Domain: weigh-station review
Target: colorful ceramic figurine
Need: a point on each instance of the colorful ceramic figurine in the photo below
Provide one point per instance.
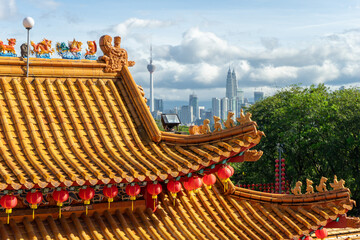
(42, 49)
(8, 50)
(91, 50)
(70, 51)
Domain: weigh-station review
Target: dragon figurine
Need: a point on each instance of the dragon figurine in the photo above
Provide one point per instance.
(42, 49)
(70, 51)
(91, 50)
(114, 57)
(9, 49)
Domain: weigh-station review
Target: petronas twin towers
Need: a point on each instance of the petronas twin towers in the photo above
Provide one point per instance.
(231, 85)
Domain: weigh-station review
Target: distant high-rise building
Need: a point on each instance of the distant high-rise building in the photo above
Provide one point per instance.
(231, 84)
(193, 101)
(186, 114)
(235, 83)
(151, 69)
(240, 96)
(216, 107)
(224, 108)
(158, 105)
(258, 96)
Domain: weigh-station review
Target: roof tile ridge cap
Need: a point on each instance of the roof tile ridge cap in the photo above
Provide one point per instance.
(205, 138)
(339, 194)
(153, 130)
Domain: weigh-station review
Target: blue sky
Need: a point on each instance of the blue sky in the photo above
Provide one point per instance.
(270, 44)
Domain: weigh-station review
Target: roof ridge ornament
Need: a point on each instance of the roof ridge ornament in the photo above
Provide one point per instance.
(114, 56)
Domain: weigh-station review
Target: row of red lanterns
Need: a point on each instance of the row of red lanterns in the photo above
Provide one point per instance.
(278, 175)
(87, 193)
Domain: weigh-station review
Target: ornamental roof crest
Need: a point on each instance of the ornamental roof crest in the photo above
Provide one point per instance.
(114, 56)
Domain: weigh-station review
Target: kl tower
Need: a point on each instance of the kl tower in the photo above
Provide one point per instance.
(151, 69)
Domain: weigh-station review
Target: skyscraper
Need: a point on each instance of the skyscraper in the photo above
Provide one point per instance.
(224, 108)
(193, 101)
(158, 105)
(235, 83)
(151, 69)
(216, 107)
(231, 84)
(186, 114)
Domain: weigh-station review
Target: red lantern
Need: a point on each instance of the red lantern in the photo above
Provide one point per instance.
(174, 187)
(187, 186)
(210, 180)
(195, 183)
(110, 193)
(34, 198)
(132, 191)
(154, 190)
(308, 238)
(321, 233)
(224, 174)
(60, 197)
(87, 194)
(8, 202)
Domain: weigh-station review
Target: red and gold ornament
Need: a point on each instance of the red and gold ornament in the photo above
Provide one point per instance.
(209, 180)
(34, 198)
(86, 194)
(132, 191)
(60, 196)
(321, 233)
(8, 202)
(224, 174)
(154, 189)
(110, 192)
(195, 183)
(174, 187)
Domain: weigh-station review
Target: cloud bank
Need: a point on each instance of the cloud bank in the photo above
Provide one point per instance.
(201, 60)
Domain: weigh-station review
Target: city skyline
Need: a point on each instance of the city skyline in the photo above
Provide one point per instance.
(269, 44)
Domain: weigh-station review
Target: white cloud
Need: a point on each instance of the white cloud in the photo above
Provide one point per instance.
(7, 8)
(197, 46)
(131, 24)
(271, 73)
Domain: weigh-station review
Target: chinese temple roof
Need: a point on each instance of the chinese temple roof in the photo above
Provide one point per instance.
(210, 214)
(73, 124)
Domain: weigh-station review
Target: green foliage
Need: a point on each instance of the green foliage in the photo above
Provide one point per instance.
(320, 133)
(184, 129)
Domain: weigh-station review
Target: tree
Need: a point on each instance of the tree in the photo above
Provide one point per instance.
(320, 132)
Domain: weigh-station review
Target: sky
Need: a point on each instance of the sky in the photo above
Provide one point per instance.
(269, 44)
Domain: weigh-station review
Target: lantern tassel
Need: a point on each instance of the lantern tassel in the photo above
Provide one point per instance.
(154, 204)
(8, 211)
(33, 214)
(59, 212)
(108, 205)
(86, 209)
(132, 205)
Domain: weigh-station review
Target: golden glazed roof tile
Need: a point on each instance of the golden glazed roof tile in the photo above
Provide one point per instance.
(208, 214)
